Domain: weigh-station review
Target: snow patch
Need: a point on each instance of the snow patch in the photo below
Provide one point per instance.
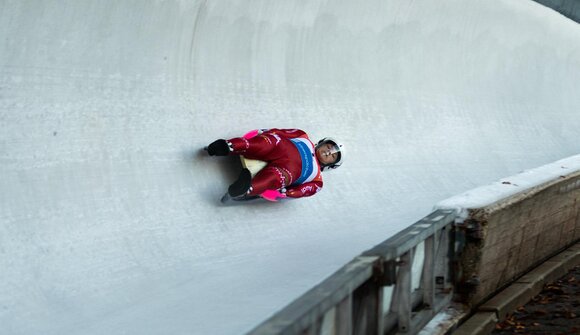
(507, 187)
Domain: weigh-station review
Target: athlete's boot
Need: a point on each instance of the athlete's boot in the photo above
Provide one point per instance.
(241, 186)
(218, 148)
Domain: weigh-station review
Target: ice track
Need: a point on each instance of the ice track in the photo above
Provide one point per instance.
(110, 221)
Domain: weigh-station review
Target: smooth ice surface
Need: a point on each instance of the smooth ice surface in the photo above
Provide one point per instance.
(109, 214)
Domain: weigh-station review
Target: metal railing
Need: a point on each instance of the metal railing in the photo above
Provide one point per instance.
(396, 287)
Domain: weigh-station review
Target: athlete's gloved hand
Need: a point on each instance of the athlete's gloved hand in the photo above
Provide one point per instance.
(273, 195)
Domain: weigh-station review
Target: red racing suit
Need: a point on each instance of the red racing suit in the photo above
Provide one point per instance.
(290, 157)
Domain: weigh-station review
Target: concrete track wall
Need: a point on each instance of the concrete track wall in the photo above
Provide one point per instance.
(507, 237)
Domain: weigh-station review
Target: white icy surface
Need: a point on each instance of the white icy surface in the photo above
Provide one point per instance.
(109, 214)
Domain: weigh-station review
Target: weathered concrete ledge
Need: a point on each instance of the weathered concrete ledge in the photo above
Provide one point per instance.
(512, 226)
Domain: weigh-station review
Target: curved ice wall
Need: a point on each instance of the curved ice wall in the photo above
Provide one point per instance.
(109, 214)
